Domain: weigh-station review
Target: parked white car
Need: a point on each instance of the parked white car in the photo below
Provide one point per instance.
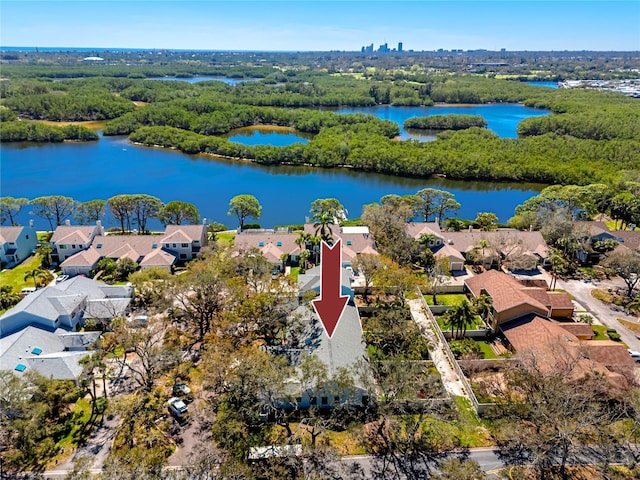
(177, 407)
(635, 356)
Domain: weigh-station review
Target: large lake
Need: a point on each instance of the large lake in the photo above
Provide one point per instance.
(230, 81)
(502, 118)
(112, 166)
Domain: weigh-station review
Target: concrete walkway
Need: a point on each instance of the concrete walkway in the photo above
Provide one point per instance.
(450, 380)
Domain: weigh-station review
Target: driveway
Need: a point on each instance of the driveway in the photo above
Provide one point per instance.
(602, 312)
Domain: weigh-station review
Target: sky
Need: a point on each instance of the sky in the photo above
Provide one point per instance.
(318, 25)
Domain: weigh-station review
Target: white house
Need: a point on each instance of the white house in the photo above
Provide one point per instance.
(66, 305)
(69, 239)
(16, 244)
(184, 241)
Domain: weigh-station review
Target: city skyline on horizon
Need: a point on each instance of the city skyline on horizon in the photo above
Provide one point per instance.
(287, 26)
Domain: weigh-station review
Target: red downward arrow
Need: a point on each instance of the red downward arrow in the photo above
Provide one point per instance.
(331, 304)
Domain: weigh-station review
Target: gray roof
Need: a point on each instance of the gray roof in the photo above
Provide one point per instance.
(106, 308)
(18, 347)
(47, 304)
(77, 340)
(59, 366)
(346, 347)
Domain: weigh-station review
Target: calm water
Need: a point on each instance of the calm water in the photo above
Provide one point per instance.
(277, 138)
(112, 166)
(543, 84)
(230, 81)
(502, 118)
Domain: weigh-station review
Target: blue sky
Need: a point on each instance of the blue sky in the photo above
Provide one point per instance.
(322, 25)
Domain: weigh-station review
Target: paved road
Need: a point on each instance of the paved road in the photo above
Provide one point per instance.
(602, 312)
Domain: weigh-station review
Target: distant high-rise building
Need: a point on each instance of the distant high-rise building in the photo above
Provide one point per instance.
(384, 48)
(399, 46)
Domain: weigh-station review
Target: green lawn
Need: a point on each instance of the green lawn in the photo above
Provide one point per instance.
(600, 332)
(447, 298)
(15, 275)
(487, 351)
(226, 237)
(295, 271)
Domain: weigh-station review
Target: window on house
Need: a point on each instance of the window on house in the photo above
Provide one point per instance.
(62, 247)
(324, 401)
(278, 244)
(336, 399)
(36, 351)
(314, 400)
(155, 245)
(183, 255)
(175, 245)
(26, 237)
(73, 246)
(185, 245)
(21, 367)
(261, 244)
(99, 245)
(298, 399)
(348, 242)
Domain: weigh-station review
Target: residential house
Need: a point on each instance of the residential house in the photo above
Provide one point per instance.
(16, 244)
(416, 230)
(184, 241)
(515, 249)
(511, 299)
(66, 305)
(274, 244)
(339, 354)
(68, 239)
(454, 258)
(39, 332)
(590, 234)
(146, 250)
(554, 348)
(355, 240)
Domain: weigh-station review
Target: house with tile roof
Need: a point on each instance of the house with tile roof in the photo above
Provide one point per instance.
(355, 240)
(146, 250)
(272, 243)
(184, 241)
(68, 239)
(593, 232)
(16, 244)
(554, 348)
(515, 249)
(509, 300)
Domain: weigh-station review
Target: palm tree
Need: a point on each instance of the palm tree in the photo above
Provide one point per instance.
(323, 227)
(304, 256)
(35, 274)
(482, 245)
(460, 318)
(483, 305)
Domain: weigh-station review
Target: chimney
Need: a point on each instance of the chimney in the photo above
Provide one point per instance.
(67, 222)
(470, 228)
(204, 221)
